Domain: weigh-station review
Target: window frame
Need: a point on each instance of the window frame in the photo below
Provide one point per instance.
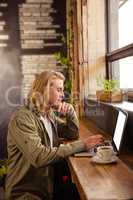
(118, 53)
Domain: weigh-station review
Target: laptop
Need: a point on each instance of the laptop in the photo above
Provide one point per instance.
(117, 138)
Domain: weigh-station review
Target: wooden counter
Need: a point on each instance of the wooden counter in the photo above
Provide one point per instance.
(101, 182)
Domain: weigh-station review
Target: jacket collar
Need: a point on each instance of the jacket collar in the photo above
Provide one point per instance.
(33, 108)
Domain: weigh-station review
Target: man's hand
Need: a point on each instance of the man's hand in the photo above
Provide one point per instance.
(64, 108)
(93, 140)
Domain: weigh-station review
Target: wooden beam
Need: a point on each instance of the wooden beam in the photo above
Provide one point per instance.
(120, 53)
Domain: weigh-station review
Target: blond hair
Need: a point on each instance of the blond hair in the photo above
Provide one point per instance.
(38, 96)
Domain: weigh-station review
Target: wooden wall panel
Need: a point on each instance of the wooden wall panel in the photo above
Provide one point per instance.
(88, 46)
(91, 45)
(96, 42)
(80, 55)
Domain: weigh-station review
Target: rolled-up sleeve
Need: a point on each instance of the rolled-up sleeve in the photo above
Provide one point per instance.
(68, 128)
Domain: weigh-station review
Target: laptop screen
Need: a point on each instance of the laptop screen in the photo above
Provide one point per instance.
(119, 130)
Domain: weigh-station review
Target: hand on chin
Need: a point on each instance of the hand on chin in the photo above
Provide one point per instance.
(55, 106)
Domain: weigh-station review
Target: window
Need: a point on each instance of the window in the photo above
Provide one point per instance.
(120, 42)
(125, 15)
(123, 70)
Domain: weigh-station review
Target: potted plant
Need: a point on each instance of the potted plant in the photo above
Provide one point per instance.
(3, 171)
(110, 91)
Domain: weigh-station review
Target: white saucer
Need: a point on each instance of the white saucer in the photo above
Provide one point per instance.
(96, 159)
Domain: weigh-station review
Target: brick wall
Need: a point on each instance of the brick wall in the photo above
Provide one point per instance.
(10, 70)
(30, 34)
(40, 33)
(4, 36)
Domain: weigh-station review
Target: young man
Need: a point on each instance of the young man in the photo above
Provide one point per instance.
(34, 139)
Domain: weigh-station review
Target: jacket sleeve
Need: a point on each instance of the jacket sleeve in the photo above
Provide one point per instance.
(23, 131)
(69, 127)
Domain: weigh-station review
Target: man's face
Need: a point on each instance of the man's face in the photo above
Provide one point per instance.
(56, 93)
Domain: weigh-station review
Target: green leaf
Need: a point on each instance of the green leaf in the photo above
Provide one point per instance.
(68, 86)
(2, 171)
(108, 84)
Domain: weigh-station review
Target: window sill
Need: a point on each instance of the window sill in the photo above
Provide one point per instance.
(125, 105)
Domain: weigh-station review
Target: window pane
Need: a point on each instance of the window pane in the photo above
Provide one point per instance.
(120, 23)
(125, 22)
(123, 71)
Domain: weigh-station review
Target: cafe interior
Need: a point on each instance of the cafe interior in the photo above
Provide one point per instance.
(91, 43)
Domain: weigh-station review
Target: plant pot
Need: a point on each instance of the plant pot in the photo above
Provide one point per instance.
(109, 96)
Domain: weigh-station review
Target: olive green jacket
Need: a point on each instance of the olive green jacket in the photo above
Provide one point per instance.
(31, 159)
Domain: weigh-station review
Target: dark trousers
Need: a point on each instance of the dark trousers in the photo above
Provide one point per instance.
(64, 188)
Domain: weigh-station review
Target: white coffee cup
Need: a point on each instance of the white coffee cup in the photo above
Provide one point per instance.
(105, 153)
